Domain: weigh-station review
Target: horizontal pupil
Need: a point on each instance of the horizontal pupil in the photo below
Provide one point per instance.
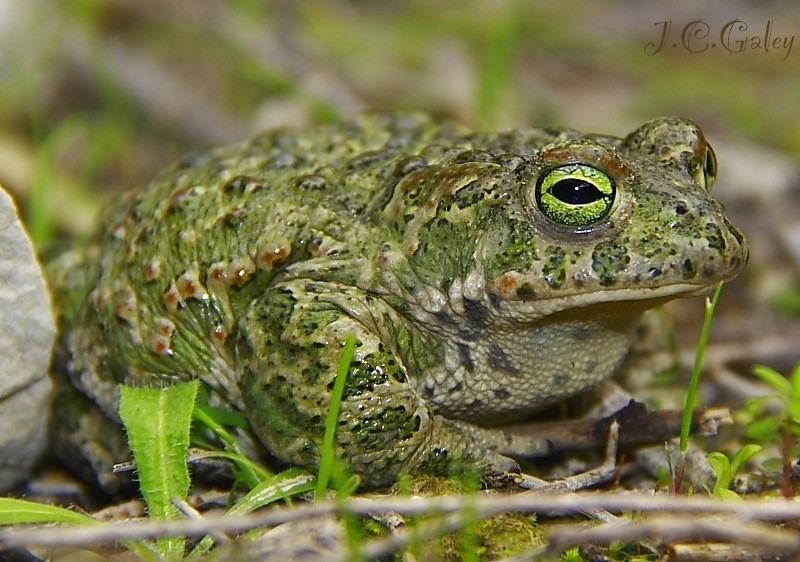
(574, 191)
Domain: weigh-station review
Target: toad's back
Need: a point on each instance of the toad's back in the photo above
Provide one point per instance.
(176, 263)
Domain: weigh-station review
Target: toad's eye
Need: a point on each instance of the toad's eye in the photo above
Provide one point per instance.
(706, 175)
(575, 194)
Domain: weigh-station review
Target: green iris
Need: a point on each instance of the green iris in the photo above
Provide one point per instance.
(575, 194)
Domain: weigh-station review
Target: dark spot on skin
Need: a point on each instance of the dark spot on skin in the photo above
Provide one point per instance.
(559, 379)
(495, 300)
(688, 268)
(476, 313)
(234, 218)
(284, 160)
(525, 292)
(463, 332)
(368, 158)
(427, 391)
(609, 258)
(580, 333)
(501, 392)
(499, 361)
(465, 356)
(553, 268)
(473, 156)
(440, 452)
(681, 208)
(408, 165)
(312, 182)
(457, 387)
(509, 161)
(713, 235)
(235, 184)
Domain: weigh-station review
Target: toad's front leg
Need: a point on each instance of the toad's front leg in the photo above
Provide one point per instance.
(290, 344)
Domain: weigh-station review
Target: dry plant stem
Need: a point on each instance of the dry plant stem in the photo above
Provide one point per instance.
(670, 529)
(718, 552)
(391, 544)
(787, 441)
(192, 513)
(677, 475)
(483, 505)
(580, 481)
(638, 426)
(584, 480)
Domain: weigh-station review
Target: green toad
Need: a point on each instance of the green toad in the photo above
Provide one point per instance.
(485, 276)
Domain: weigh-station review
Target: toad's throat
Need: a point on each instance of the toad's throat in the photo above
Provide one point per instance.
(514, 373)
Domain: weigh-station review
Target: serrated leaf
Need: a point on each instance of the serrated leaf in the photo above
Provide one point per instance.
(157, 422)
(18, 512)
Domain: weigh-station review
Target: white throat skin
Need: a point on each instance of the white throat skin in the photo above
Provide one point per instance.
(497, 369)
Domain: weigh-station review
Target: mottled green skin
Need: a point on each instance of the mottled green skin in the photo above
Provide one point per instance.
(248, 266)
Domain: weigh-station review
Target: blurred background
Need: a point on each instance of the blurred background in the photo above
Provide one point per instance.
(97, 95)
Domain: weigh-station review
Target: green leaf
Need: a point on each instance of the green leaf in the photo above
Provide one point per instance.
(794, 379)
(348, 487)
(722, 469)
(764, 428)
(742, 456)
(729, 495)
(250, 472)
(157, 422)
(18, 512)
(774, 379)
(288, 483)
(225, 417)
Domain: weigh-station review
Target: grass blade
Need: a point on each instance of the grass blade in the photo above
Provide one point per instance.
(327, 454)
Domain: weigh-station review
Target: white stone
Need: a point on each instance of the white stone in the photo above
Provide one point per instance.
(27, 331)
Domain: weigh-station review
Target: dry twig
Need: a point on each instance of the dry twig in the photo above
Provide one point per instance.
(483, 505)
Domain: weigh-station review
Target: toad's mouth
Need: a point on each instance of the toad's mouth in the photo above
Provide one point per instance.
(629, 300)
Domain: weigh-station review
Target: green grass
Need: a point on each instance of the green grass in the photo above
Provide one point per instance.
(694, 381)
(691, 391)
(328, 453)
